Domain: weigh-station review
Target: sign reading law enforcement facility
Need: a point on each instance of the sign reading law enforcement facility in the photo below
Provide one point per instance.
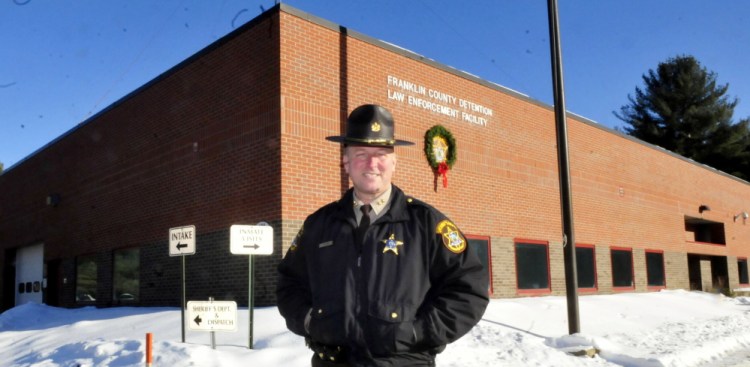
(182, 241)
(250, 240)
(439, 102)
(212, 315)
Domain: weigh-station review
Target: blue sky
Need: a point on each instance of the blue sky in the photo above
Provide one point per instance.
(63, 60)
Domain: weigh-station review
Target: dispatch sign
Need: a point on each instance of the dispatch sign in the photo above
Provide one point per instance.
(251, 240)
(212, 315)
(182, 241)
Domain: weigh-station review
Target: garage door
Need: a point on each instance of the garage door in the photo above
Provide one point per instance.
(29, 274)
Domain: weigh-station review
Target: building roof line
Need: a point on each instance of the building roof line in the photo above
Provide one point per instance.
(197, 55)
(371, 40)
(473, 78)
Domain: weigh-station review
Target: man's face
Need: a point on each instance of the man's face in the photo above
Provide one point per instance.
(370, 169)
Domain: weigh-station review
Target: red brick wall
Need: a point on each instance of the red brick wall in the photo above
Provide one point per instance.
(236, 134)
(505, 182)
(199, 145)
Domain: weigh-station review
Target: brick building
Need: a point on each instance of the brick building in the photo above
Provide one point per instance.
(235, 135)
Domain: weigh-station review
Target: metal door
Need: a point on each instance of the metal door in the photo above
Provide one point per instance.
(29, 274)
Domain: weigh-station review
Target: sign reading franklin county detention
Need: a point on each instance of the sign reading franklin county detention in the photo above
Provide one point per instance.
(212, 315)
(250, 240)
(182, 241)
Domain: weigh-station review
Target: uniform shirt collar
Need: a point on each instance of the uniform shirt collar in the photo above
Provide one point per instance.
(379, 204)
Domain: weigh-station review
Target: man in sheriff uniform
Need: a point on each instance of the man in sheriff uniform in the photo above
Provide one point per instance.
(378, 278)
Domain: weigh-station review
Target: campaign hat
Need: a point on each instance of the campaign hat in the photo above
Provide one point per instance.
(369, 125)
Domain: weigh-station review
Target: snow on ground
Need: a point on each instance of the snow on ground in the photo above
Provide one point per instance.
(667, 328)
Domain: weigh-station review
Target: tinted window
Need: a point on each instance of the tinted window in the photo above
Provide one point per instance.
(655, 268)
(742, 268)
(85, 279)
(481, 246)
(126, 276)
(622, 268)
(531, 262)
(585, 267)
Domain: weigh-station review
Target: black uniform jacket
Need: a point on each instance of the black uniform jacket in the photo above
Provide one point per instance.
(411, 288)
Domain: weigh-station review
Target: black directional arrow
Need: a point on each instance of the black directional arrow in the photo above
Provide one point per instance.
(198, 320)
(180, 246)
(253, 246)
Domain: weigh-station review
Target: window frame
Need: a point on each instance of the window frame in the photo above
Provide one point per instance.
(116, 286)
(596, 274)
(92, 258)
(699, 228)
(663, 270)
(490, 288)
(536, 291)
(739, 271)
(632, 268)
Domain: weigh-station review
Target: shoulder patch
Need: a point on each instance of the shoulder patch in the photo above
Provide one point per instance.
(293, 247)
(452, 238)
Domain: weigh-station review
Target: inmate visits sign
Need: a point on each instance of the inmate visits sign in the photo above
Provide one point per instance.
(439, 102)
(250, 240)
(212, 315)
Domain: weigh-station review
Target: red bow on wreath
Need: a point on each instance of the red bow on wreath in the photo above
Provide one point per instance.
(443, 171)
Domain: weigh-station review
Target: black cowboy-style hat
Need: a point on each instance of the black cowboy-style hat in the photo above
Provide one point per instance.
(369, 125)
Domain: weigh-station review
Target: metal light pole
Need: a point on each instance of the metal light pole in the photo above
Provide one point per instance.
(569, 248)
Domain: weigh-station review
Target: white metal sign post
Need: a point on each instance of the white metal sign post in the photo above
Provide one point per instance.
(251, 240)
(182, 243)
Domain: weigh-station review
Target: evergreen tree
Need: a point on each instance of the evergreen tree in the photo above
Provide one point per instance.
(681, 108)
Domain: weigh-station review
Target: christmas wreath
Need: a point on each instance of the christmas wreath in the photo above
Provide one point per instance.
(440, 149)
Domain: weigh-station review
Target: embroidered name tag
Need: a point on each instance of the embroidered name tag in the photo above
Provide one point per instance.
(325, 244)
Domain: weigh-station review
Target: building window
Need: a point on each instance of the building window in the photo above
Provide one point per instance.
(622, 268)
(86, 279)
(742, 268)
(655, 269)
(126, 275)
(704, 231)
(481, 245)
(586, 267)
(532, 266)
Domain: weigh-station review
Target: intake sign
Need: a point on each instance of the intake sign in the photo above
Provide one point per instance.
(250, 240)
(212, 315)
(182, 241)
